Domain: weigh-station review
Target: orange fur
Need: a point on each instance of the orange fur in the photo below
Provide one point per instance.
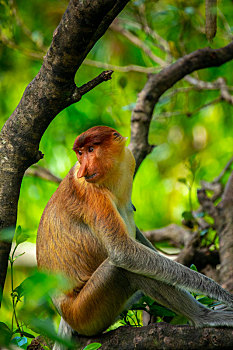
(81, 215)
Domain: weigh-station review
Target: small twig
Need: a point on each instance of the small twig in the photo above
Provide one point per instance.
(82, 90)
(104, 76)
(162, 44)
(42, 173)
(124, 69)
(224, 91)
(219, 84)
(139, 43)
(216, 100)
(215, 186)
(170, 114)
(29, 53)
(227, 27)
(23, 26)
(200, 84)
(226, 168)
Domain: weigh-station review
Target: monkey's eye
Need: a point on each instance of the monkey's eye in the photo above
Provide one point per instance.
(80, 152)
(90, 149)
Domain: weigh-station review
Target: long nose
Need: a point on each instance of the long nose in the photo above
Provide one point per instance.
(83, 169)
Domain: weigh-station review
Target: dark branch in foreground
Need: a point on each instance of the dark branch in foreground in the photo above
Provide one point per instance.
(158, 336)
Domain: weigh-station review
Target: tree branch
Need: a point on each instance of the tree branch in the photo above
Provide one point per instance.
(161, 82)
(139, 43)
(42, 173)
(162, 336)
(174, 234)
(154, 336)
(79, 92)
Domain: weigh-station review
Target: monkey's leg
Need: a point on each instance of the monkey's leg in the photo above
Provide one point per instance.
(100, 301)
(106, 293)
(182, 302)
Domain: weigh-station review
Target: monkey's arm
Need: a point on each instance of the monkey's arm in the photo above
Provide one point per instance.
(133, 256)
(142, 260)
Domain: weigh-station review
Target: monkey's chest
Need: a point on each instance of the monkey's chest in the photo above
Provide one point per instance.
(69, 248)
(85, 255)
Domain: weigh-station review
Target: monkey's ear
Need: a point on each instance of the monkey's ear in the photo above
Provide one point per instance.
(134, 209)
(119, 138)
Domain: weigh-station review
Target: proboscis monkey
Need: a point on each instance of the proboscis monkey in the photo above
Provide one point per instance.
(87, 232)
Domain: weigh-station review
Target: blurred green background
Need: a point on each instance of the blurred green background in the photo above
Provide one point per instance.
(180, 127)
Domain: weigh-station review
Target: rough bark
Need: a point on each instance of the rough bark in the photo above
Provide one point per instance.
(222, 214)
(224, 223)
(176, 235)
(157, 84)
(193, 253)
(158, 336)
(52, 90)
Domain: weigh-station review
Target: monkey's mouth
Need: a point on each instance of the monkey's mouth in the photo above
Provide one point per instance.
(90, 177)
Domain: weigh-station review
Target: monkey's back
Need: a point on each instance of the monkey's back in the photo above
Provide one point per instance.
(65, 243)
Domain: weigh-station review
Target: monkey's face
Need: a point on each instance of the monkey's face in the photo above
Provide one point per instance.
(99, 151)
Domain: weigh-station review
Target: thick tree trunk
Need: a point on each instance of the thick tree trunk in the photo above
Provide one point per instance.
(52, 90)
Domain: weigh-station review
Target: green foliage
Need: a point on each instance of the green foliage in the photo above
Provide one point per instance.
(159, 313)
(92, 346)
(193, 142)
(5, 334)
(36, 311)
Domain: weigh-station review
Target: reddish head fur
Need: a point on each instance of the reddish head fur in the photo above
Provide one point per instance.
(96, 136)
(98, 151)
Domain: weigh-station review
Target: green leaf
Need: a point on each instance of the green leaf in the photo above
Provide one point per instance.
(20, 236)
(92, 346)
(187, 215)
(19, 255)
(183, 180)
(178, 319)
(26, 334)
(161, 311)
(205, 300)
(145, 299)
(46, 327)
(193, 267)
(194, 164)
(5, 334)
(19, 291)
